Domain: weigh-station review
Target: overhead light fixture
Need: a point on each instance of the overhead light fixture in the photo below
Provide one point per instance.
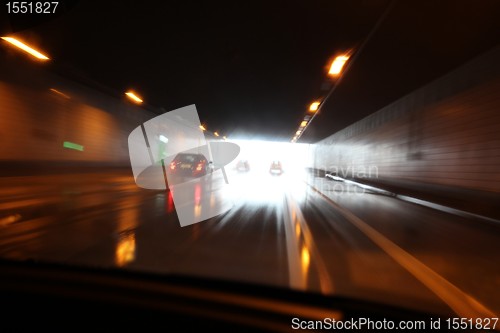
(60, 93)
(132, 95)
(25, 48)
(337, 64)
(314, 106)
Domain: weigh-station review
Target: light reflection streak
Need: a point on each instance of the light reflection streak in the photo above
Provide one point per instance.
(197, 210)
(297, 230)
(60, 93)
(306, 249)
(170, 202)
(10, 219)
(128, 220)
(305, 259)
(197, 200)
(125, 249)
(212, 200)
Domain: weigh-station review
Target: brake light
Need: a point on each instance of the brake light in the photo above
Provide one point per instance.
(199, 167)
(172, 166)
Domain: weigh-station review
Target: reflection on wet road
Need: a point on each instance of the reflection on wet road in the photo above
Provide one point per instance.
(300, 232)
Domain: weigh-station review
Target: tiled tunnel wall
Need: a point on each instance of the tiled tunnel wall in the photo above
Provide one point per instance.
(35, 120)
(446, 133)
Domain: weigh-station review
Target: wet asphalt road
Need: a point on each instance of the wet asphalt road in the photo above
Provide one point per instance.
(296, 231)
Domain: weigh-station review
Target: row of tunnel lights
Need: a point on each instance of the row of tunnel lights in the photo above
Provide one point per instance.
(131, 95)
(334, 71)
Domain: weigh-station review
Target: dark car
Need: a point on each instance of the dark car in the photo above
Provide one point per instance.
(276, 168)
(242, 166)
(187, 165)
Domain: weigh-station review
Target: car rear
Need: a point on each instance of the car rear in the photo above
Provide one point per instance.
(243, 166)
(188, 166)
(276, 168)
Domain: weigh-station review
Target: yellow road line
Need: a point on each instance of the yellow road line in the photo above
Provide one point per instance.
(295, 276)
(299, 258)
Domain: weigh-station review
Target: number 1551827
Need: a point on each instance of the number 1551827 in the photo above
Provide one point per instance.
(31, 7)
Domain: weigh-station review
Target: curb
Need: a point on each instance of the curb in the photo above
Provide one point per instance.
(417, 201)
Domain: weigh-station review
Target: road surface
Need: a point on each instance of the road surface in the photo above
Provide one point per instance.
(296, 231)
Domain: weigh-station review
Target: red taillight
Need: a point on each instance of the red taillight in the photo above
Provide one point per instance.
(199, 167)
(172, 166)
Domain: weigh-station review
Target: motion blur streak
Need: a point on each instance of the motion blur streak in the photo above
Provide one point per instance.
(314, 106)
(10, 219)
(305, 242)
(134, 97)
(464, 305)
(59, 93)
(445, 133)
(439, 143)
(25, 48)
(337, 64)
(125, 250)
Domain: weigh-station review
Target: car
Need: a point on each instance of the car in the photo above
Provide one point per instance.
(188, 165)
(276, 168)
(242, 166)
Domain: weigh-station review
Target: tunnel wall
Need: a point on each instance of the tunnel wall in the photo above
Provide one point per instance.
(446, 133)
(35, 120)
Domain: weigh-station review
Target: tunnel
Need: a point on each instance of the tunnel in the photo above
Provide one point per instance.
(381, 195)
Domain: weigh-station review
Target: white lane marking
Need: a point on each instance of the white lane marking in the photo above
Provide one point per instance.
(445, 209)
(417, 201)
(364, 186)
(463, 304)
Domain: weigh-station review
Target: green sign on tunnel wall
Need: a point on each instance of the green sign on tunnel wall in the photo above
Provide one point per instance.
(72, 145)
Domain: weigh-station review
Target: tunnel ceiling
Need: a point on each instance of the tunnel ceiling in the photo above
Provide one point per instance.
(253, 68)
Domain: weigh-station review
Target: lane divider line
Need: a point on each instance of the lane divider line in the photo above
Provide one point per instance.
(296, 279)
(417, 201)
(464, 305)
(299, 230)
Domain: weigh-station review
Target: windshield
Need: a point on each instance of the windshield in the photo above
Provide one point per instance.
(369, 131)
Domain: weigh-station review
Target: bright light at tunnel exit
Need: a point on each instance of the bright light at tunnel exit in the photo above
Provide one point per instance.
(294, 157)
